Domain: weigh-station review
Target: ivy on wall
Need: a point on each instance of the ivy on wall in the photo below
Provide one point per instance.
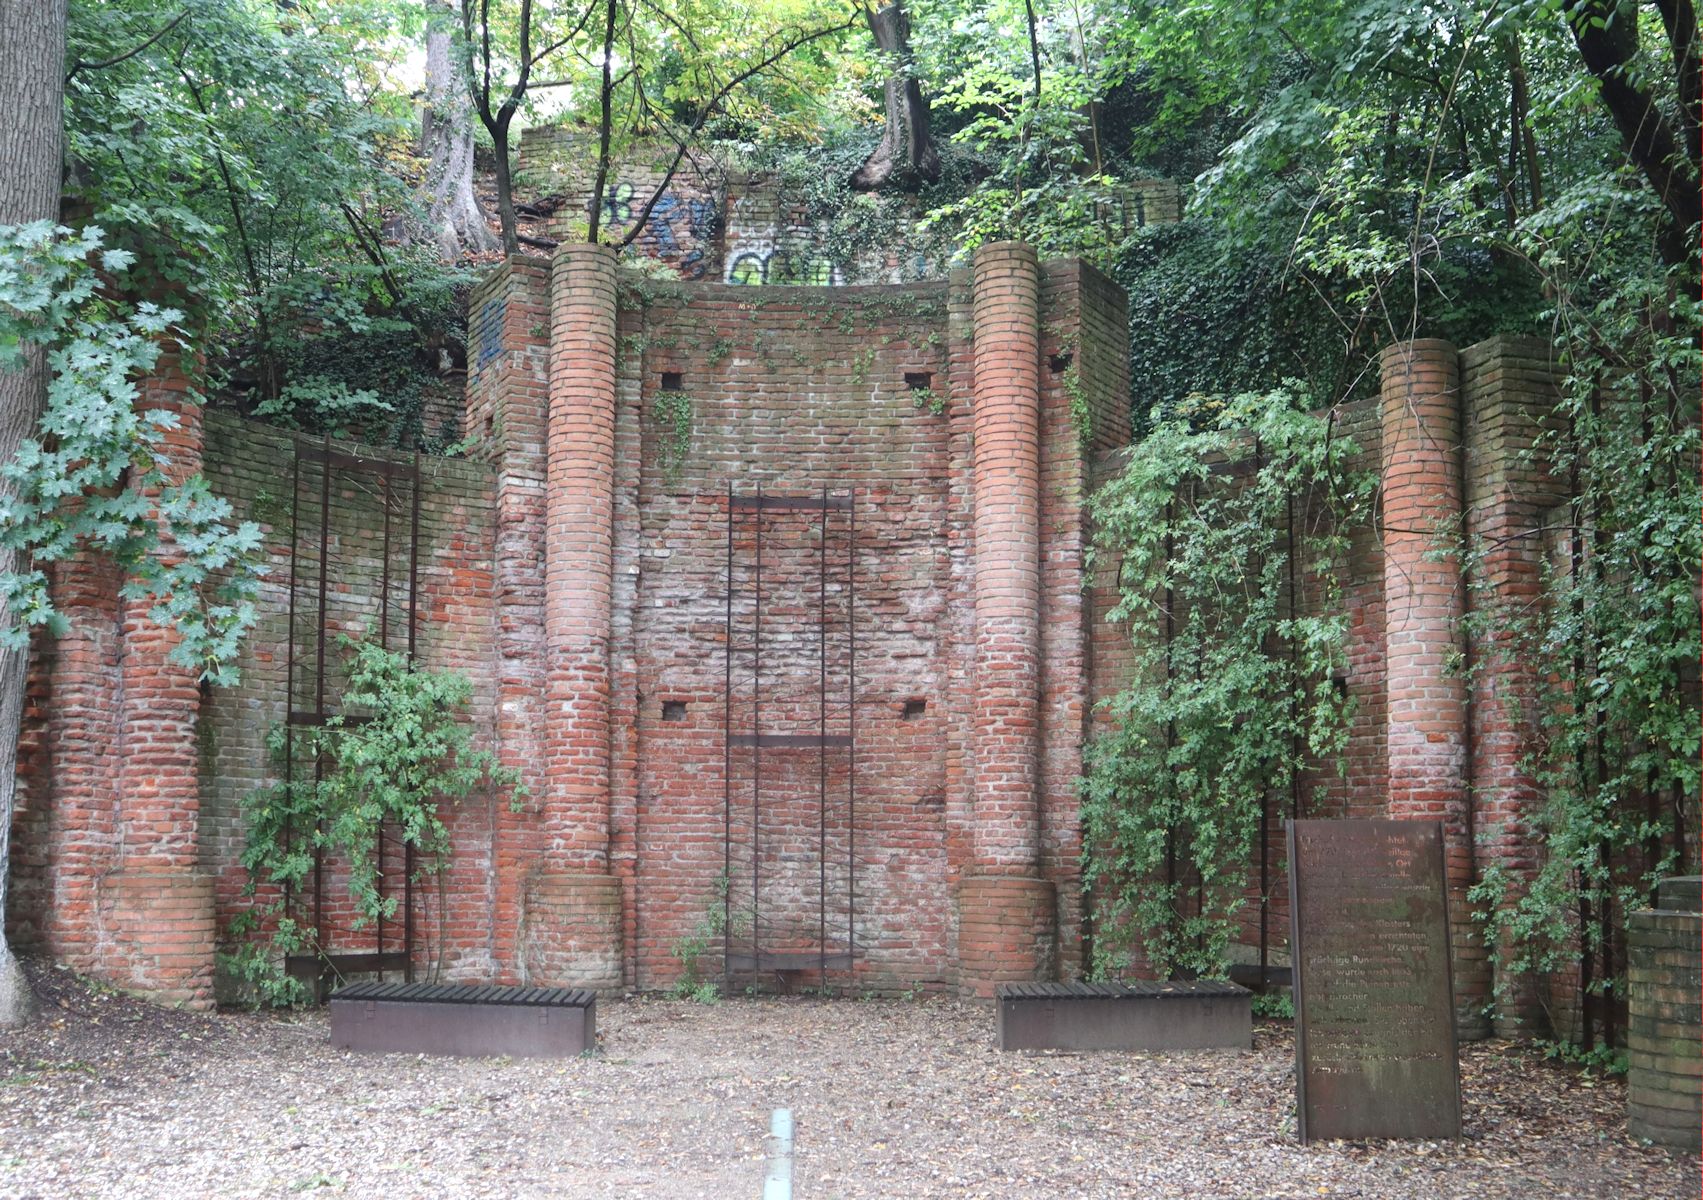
(1231, 694)
(1613, 646)
(398, 755)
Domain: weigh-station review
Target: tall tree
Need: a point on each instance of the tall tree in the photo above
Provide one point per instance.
(454, 219)
(32, 87)
(906, 154)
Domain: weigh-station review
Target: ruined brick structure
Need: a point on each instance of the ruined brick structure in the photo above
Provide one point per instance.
(715, 220)
(924, 451)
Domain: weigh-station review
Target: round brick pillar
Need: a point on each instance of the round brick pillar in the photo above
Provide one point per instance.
(1007, 923)
(567, 941)
(1424, 603)
(158, 926)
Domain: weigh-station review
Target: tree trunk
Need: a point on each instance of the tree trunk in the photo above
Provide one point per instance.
(906, 155)
(453, 216)
(32, 75)
(1608, 42)
(505, 188)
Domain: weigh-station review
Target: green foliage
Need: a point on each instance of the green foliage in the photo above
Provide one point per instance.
(256, 158)
(1275, 1005)
(691, 948)
(95, 475)
(1605, 1060)
(396, 754)
(1616, 641)
(1231, 692)
(673, 411)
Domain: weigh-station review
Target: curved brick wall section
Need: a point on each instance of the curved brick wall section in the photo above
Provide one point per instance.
(1664, 1042)
(1424, 601)
(579, 555)
(1006, 914)
(1007, 527)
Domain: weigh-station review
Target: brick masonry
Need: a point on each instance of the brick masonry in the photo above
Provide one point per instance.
(715, 221)
(1665, 1010)
(577, 569)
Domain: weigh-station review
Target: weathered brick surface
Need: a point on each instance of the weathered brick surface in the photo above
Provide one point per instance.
(1424, 601)
(578, 571)
(1508, 386)
(1664, 1038)
(718, 222)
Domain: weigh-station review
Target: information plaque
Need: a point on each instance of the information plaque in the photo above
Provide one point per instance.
(1374, 1000)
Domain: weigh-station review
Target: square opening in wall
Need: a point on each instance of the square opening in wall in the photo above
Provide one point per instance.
(673, 710)
(1058, 363)
(918, 381)
(913, 710)
(673, 381)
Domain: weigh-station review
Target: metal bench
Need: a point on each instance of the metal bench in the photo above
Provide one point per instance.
(1139, 1015)
(428, 1018)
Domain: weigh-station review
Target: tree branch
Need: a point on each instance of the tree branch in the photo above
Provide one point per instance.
(710, 106)
(1608, 44)
(81, 65)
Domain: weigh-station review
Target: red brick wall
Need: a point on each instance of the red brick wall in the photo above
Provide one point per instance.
(791, 390)
(1452, 435)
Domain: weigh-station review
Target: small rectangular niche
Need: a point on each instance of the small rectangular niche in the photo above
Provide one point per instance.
(673, 710)
(673, 381)
(919, 381)
(1059, 363)
(913, 710)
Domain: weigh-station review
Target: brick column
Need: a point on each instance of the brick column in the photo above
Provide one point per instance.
(573, 902)
(159, 902)
(1424, 600)
(1664, 1018)
(1006, 911)
(507, 396)
(1507, 386)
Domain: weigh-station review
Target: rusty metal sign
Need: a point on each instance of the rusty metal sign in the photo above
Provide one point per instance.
(1375, 1049)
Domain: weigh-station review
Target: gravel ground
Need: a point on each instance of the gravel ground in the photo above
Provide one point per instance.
(104, 1096)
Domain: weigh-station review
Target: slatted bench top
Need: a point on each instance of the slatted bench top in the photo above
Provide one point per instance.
(449, 993)
(1135, 989)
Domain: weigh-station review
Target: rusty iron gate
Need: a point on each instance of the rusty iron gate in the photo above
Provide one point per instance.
(329, 559)
(776, 919)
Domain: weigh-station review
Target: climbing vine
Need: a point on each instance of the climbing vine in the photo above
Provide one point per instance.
(1613, 647)
(393, 757)
(673, 411)
(1232, 696)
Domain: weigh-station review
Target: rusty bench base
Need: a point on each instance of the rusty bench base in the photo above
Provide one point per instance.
(1141, 1015)
(467, 1021)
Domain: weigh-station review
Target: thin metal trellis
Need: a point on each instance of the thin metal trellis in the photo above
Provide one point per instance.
(377, 479)
(826, 956)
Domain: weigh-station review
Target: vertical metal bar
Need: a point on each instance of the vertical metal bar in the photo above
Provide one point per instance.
(727, 767)
(384, 570)
(822, 748)
(757, 741)
(851, 730)
(290, 643)
(384, 644)
(413, 611)
(414, 558)
(319, 683)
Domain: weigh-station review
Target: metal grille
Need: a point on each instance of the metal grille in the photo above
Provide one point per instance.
(766, 893)
(333, 494)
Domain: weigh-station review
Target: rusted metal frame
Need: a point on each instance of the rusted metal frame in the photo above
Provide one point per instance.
(384, 643)
(851, 731)
(762, 503)
(319, 690)
(822, 749)
(290, 659)
(727, 764)
(757, 750)
(413, 622)
(791, 741)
